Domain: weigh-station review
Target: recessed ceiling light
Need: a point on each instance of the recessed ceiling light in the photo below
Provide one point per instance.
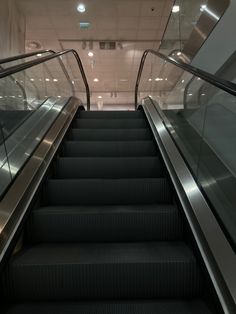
(179, 53)
(59, 96)
(203, 94)
(166, 79)
(47, 79)
(176, 9)
(39, 55)
(150, 80)
(158, 79)
(199, 79)
(190, 94)
(203, 7)
(32, 79)
(100, 97)
(90, 54)
(96, 80)
(55, 80)
(182, 81)
(81, 8)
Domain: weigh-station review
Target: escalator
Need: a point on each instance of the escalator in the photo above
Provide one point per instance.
(108, 226)
(106, 234)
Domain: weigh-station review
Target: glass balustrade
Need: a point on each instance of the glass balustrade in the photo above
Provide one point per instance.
(201, 118)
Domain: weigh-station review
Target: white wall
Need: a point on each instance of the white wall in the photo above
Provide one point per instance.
(221, 43)
(12, 29)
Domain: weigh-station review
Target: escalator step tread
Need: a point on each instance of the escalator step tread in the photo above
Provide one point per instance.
(122, 307)
(111, 123)
(109, 167)
(110, 134)
(104, 270)
(109, 149)
(105, 223)
(111, 114)
(108, 191)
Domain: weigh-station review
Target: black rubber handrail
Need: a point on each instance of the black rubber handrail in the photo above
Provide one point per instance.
(25, 55)
(227, 86)
(29, 64)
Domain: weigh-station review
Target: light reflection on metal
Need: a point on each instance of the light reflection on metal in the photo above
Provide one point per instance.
(15, 203)
(204, 8)
(208, 234)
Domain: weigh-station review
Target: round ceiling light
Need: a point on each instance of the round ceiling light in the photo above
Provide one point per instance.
(90, 54)
(81, 8)
(176, 9)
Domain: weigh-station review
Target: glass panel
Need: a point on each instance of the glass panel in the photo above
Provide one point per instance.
(5, 173)
(23, 60)
(78, 87)
(203, 118)
(190, 23)
(27, 111)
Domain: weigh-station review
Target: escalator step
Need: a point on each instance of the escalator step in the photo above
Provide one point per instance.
(105, 224)
(125, 307)
(109, 149)
(111, 114)
(103, 271)
(108, 191)
(110, 123)
(110, 135)
(109, 167)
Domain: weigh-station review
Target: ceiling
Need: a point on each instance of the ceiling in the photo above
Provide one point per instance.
(134, 24)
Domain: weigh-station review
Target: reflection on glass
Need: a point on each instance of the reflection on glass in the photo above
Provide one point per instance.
(203, 118)
(30, 101)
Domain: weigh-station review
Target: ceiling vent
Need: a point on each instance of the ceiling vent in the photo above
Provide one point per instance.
(107, 45)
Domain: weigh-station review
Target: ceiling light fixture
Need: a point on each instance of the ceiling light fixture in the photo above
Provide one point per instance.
(176, 9)
(203, 7)
(90, 54)
(100, 97)
(81, 8)
(182, 81)
(158, 79)
(149, 80)
(55, 80)
(96, 80)
(179, 53)
(47, 79)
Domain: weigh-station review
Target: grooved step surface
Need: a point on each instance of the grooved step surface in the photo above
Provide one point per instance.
(110, 135)
(108, 191)
(125, 307)
(104, 271)
(109, 149)
(111, 123)
(109, 167)
(105, 223)
(111, 114)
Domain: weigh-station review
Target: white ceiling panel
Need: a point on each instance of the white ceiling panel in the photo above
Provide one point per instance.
(135, 25)
(128, 23)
